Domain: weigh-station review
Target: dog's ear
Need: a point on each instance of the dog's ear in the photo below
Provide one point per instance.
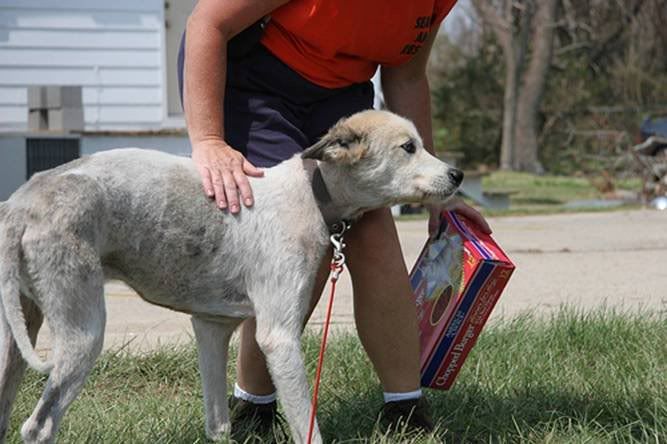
(341, 144)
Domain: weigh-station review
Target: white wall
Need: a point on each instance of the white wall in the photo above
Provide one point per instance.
(113, 48)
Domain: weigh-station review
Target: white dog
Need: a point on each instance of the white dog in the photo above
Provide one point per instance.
(141, 216)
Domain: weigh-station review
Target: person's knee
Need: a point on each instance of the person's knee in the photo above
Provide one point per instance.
(374, 226)
(374, 237)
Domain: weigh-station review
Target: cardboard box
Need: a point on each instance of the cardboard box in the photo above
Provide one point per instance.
(457, 281)
(54, 97)
(36, 97)
(38, 120)
(65, 119)
(63, 97)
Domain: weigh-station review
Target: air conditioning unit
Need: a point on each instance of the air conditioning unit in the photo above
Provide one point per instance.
(22, 155)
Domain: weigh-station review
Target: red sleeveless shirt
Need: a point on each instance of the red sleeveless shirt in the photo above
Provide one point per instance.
(335, 43)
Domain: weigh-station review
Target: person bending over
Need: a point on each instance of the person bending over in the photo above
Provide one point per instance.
(262, 81)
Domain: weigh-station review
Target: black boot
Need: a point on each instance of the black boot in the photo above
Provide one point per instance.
(409, 415)
(259, 421)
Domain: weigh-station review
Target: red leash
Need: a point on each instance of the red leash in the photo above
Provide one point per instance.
(337, 265)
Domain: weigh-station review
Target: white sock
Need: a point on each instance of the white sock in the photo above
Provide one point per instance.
(255, 399)
(402, 396)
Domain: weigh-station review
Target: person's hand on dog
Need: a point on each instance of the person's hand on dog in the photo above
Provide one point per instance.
(224, 173)
(457, 205)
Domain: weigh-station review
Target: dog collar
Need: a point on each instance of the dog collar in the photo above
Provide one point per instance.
(330, 212)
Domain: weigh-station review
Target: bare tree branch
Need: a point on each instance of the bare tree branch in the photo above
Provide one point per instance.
(613, 38)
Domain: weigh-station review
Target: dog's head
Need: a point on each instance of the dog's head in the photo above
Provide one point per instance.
(379, 159)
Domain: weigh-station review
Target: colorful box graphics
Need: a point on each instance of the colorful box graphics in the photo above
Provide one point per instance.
(457, 281)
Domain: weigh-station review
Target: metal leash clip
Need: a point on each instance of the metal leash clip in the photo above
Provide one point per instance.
(337, 241)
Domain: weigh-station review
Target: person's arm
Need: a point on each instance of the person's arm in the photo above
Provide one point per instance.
(210, 26)
(407, 92)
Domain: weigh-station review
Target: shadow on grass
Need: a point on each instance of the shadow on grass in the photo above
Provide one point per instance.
(578, 377)
(472, 414)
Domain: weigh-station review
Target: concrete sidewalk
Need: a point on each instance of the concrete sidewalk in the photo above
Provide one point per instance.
(617, 259)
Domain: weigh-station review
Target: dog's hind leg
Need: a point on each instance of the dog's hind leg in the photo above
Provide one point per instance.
(69, 288)
(213, 344)
(12, 365)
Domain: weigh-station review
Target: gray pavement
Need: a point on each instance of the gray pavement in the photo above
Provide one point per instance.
(617, 259)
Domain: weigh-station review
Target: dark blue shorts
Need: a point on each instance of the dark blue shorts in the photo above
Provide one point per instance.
(271, 112)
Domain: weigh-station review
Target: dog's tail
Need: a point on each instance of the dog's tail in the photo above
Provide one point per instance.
(10, 256)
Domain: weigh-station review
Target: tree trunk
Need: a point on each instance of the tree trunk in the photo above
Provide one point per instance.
(509, 113)
(532, 89)
(500, 19)
(517, 26)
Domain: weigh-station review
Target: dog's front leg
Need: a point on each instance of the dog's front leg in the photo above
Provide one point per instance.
(213, 344)
(280, 313)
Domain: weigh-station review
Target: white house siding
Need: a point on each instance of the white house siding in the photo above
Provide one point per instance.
(112, 48)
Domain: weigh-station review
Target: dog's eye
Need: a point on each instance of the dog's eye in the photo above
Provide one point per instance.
(409, 147)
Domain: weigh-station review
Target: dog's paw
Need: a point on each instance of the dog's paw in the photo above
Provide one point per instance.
(220, 433)
(32, 433)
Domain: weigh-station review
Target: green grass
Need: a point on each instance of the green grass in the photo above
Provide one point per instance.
(532, 194)
(545, 190)
(547, 194)
(597, 377)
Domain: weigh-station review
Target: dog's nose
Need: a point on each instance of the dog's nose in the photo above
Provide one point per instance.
(456, 176)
